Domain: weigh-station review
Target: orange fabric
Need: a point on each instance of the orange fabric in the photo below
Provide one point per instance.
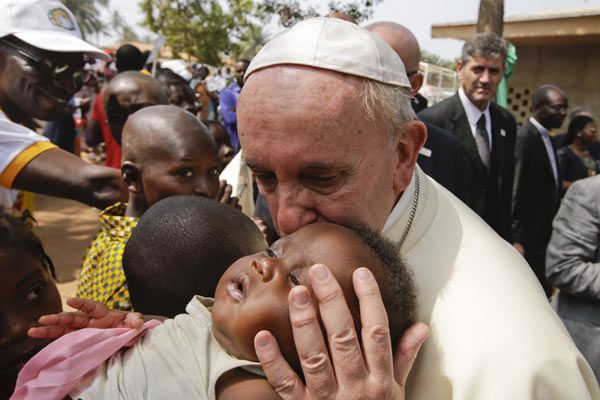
(11, 171)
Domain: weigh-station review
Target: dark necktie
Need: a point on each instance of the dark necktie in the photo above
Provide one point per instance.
(483, 142)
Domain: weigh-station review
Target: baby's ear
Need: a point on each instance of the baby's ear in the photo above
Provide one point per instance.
(132, 177)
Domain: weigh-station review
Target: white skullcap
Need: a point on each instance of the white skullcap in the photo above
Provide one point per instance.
(336, 45)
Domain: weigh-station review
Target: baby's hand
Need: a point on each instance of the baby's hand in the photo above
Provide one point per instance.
(224, 195)
(91, 314)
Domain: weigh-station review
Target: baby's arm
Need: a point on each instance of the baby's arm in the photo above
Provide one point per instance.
(239, 384)
(91, 314)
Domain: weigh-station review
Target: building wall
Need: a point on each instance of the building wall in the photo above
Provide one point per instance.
(575, 69)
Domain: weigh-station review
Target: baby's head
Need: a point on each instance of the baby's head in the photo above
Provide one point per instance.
(167, 152)
(181, 247)
(27, 291)
(253, 293)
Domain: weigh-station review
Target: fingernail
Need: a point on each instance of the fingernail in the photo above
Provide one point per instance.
(300, 297)
(363, 274)
(320, 272)
(262, 340)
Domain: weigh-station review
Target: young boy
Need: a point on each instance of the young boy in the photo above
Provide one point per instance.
(198, 245)
(166, 152)
(207, 353)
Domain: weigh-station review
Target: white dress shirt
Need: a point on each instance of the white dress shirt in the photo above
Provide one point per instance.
(474, 113)
(544, 133)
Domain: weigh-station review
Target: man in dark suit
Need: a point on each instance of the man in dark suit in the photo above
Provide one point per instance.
(486, 131)
(441, 157)
(536, 193)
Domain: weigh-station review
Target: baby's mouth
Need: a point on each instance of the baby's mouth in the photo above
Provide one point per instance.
(239, 287)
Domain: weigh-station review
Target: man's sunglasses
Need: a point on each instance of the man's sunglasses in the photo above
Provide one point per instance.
(53, 69)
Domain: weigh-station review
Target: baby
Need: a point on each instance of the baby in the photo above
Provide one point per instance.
(208, 351)
(166, 152)
(197, 245)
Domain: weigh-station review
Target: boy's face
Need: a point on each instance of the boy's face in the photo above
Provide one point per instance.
(189, 166)
(226, 152)
(253, 293)
(27, 292)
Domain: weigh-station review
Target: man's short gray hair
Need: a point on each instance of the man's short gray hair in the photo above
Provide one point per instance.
(488, 45)
(387, 106)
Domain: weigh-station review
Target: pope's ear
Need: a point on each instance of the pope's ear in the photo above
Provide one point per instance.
(408, 145)
(132, 176)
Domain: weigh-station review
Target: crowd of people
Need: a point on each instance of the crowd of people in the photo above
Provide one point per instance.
(302, 227)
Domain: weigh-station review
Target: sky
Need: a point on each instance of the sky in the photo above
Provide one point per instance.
(418, 16)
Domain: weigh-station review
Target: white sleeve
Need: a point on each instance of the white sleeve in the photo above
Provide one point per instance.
(13, 140)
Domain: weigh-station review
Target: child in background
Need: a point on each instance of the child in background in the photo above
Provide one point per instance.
(27, 291)
(221, 136)
(209, 352)
(166, 152)
(199, 238)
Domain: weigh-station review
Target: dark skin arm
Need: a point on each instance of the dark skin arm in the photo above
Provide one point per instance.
(61, 174)
(93, 133)
(239, 384)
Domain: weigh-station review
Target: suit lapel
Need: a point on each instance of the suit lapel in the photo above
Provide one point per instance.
(498, 141)
(462, 130)
(541, 148)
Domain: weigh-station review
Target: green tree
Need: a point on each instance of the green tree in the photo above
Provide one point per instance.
(87, 14)
(435, 59)
(197, 27)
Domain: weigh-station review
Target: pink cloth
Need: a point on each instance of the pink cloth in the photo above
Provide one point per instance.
(57, 368)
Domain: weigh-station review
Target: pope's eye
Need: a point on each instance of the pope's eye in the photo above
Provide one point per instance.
(35, 291)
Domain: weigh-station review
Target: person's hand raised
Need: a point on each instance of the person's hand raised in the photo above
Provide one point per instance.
(91, 314)
(224, 195)
(350, 369)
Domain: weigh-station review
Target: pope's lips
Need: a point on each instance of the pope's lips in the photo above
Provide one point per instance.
(238, 288)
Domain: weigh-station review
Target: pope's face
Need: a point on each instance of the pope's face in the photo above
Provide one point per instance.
(315, 156)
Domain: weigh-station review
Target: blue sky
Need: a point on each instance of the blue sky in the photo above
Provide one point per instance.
(418, 16)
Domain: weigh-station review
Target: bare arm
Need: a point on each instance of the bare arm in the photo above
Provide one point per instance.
(61, 174)
(93, 133)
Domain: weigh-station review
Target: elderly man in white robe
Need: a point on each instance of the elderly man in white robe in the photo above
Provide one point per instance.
(327, 129)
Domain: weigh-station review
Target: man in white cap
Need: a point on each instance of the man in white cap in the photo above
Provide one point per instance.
(42, 60)
(327, 128)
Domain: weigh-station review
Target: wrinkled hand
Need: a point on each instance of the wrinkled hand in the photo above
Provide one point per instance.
(350, 370)
(224, 195)
(91, 314)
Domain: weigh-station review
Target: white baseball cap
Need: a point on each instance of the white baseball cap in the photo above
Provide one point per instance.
(45, 24)
(336, 45)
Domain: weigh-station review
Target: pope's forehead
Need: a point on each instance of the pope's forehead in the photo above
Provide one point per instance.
(271, 78)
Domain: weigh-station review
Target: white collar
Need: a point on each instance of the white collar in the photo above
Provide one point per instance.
(400, 206)
(473, 113)
(539, 126)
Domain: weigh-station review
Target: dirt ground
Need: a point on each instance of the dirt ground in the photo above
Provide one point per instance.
(66, 228)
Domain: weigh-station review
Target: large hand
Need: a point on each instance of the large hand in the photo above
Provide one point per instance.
(91, 314)
(349, 371)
